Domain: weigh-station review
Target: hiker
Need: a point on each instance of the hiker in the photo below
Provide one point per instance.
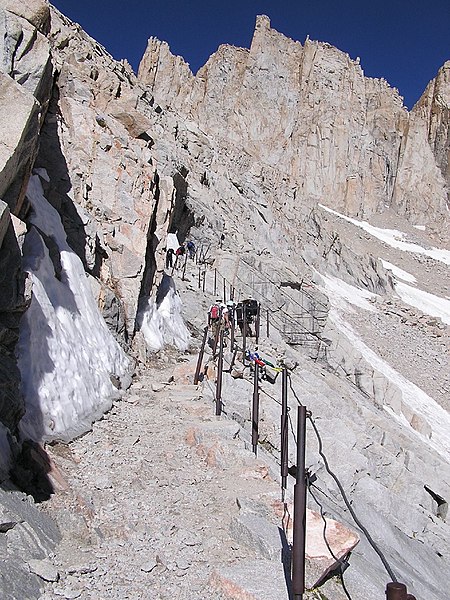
(250, 307)
(191, 249)
(215, 321)
(215, 313)
(231, 306)
(178, 253)
(169, 258)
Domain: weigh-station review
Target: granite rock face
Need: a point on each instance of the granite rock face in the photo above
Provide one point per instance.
(308, 111)
(95, 147)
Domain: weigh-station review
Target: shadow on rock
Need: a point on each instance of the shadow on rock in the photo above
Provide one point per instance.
(31, 472)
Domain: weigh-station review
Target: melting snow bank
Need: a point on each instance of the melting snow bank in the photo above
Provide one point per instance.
(161, 321)
(397, 272)
(394, 238)
(412, 407)
(66, 353)
(343, 294)
(424, 301)
(430, 304)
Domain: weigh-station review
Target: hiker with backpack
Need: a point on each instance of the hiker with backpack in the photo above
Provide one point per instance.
(215, 313)
(191, 249)
(249, 307)
(215, 321)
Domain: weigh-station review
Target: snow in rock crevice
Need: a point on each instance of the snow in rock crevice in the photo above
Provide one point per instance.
(66, 354)
(161, 320)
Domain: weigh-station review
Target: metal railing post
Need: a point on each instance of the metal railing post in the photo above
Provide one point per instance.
(257, 323)
(216, 339)
(219, 376)
(244, 333)
(284, 429)
(184, 266)
(396, 591)
(204, 278)
(232, 330)
(299, 537)
(199, 278)
(267, 324)
(224, 290)
(233, 357)
(255, 409)
(200, 356)
(215, 282)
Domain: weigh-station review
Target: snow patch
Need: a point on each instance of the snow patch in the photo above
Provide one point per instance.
(397, 272)
(424, 301)
(413, 397)
(161, 321)
(394, 238)
(342, 294)
(66, 353)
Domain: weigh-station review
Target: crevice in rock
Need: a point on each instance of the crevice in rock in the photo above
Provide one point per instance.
(182, 217)
(150, 261)
(441, 508)
(51, 158)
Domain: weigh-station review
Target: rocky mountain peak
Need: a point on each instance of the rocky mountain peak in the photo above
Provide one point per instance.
(280, 101)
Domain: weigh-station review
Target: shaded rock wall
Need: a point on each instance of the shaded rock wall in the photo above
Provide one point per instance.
(25, 81)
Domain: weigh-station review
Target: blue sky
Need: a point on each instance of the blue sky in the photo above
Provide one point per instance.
(403, 41)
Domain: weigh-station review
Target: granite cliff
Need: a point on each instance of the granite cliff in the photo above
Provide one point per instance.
(312, 187)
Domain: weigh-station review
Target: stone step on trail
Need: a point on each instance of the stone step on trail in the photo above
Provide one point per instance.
(251, 580)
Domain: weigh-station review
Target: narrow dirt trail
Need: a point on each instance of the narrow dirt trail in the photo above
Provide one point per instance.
(144, 514)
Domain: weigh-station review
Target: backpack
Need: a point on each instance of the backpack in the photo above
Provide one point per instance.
(251, 308)
(215, 312)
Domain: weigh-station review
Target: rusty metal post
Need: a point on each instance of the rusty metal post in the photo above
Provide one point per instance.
(396, 591)
(233, 357)
(184, 266)
(244, 333)
(284, 429)
(219, 377)
(204, 278)
(216, 339)
(232, 330)
(299, 537)
(200, 356)
(199, 278)
(267, 323)
(255, 409)
(215, 282)
(231, 292)
(224, 290)
(257, 323)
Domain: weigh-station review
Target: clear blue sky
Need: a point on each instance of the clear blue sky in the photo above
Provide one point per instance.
(403, 41)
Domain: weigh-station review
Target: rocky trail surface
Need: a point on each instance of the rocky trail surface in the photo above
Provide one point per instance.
(148, 501)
